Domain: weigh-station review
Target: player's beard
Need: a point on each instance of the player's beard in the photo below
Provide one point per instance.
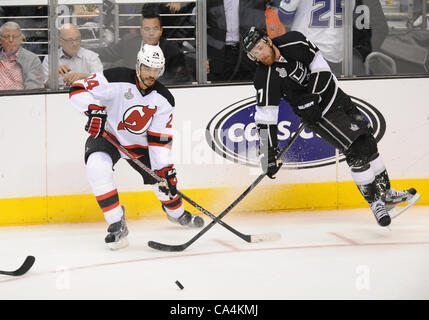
(270, 58)
(148, 81)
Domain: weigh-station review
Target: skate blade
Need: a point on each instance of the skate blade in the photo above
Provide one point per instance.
(122, 243)
(395, 212)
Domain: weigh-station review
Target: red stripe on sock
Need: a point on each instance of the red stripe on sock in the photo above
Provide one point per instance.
(111, 207)
(106, 195)
(176, 207)
(153, 144)
(170, 201)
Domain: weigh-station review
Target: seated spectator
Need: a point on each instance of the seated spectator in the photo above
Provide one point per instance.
(19, 68)
(173, 16)
(33, 20)
(73, 60)
(124, 52)
(226, 20)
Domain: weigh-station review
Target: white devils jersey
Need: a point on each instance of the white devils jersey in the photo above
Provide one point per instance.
(320, 21)
(138, 119)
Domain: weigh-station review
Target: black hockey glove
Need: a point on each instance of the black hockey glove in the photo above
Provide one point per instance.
(169, 183)
(268, 149)
(307, 107)
(273, 162)
(97, 116)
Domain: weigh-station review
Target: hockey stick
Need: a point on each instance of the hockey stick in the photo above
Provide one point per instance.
(181, 247)
(245, 237)
(28, 263)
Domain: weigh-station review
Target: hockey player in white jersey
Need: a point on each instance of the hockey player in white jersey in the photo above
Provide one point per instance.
(137, 111)
(292, 67)
(321, 22)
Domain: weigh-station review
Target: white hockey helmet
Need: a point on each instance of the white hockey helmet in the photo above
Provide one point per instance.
(151, 56)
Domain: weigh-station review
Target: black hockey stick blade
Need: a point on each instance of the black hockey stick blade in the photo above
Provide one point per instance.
(28, 263)
(167, 247)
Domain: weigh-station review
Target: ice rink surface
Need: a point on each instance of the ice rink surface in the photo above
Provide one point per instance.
(339, 254)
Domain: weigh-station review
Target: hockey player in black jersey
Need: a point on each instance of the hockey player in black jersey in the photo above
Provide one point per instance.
(293, 68)
(137, 111)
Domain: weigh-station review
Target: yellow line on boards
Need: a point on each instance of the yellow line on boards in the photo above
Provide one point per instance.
(290, 197)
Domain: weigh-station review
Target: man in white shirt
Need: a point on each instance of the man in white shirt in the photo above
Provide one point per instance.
(226, 20)
(73, 60)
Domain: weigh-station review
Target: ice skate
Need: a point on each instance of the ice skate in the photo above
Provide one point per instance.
(189, 220)
(380, 213)
(394, 197)
(117, 237)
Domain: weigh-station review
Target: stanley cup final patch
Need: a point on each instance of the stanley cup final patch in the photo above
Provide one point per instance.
(128, 95)
(282, 72)
(354, 127)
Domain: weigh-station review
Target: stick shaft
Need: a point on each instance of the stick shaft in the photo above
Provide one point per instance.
(252, 186)
(231, 206)
(159, 179)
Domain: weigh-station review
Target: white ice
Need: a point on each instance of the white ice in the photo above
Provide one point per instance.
(339, 254)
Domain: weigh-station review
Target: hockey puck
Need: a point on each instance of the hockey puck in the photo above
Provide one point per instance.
(179, 285)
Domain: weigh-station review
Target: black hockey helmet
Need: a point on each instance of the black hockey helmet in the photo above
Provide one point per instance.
(251, 38)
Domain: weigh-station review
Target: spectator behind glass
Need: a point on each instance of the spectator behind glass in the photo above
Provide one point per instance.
(226, 20)
(19, 68)
(73, 59)
(171, 12)
(38, 23)
(124, 52)
(324, 28)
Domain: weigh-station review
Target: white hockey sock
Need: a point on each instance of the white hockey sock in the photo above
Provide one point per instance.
(363, 177)
(377, 165)
(174, 207)
(99, 171)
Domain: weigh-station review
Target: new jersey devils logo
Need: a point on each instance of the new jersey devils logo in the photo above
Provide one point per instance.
(137, 119)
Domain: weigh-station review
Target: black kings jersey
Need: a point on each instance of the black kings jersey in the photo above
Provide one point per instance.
(301, 69)
(137, 119)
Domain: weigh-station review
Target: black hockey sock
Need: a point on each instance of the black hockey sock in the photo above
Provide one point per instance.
(369, 191)
(382, 183)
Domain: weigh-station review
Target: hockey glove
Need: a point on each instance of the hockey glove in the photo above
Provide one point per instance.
(273, 163)
(97, 116)
(307, 107)
(169, 183)
(268, 150)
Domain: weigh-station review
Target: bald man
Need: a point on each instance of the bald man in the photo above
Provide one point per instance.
(74, 61)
